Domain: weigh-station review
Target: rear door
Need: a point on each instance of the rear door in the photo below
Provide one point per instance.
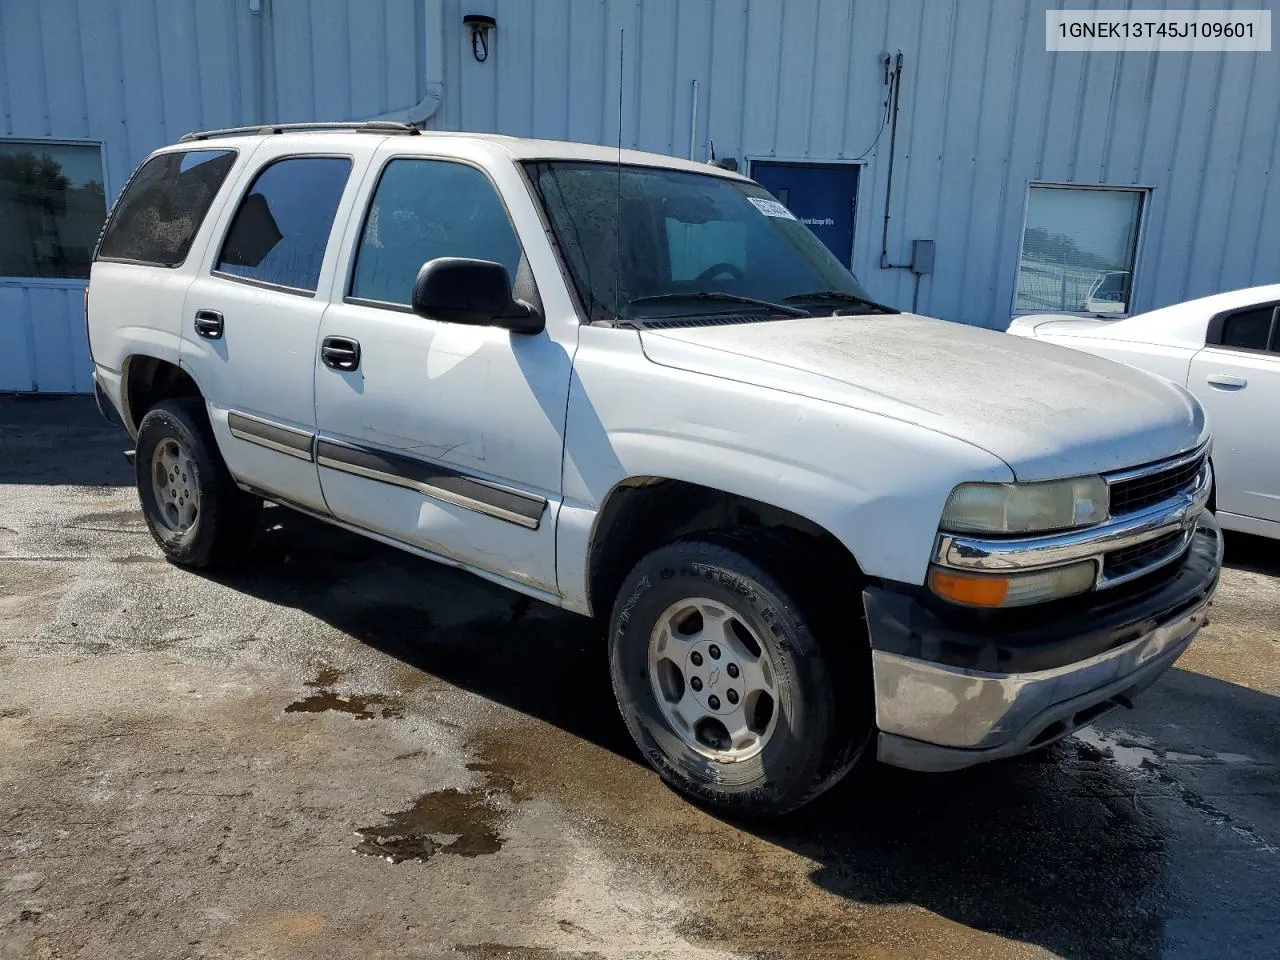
(1237, 378)
(252, 314)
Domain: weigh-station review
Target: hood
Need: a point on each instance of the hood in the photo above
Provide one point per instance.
(1045, 410)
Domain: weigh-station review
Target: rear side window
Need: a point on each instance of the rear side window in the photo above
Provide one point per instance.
(1248, 329)
(157, 217)
(281, 229)
(424, 209)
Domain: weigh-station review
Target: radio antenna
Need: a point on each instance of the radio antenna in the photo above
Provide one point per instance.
(617, 273)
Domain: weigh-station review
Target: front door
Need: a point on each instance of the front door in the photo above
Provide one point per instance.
(444, 436)
(824, 196)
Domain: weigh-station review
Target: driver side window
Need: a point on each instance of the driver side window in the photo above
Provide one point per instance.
(424, 209)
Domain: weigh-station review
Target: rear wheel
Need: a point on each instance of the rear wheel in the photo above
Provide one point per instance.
(194, 510)
(735, 687)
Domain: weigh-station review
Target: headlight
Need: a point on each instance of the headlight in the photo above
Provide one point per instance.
(1026, 507)
(1014, 589)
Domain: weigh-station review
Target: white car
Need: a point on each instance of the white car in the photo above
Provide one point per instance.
(638, 388)
(1225, 349)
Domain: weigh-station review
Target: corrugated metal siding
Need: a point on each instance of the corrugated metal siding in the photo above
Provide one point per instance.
(138, 74)
(984, 110)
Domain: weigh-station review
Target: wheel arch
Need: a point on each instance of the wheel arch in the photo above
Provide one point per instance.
(147, 380)
(642, 513)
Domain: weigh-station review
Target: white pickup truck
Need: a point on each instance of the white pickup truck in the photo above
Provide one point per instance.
(638, 388)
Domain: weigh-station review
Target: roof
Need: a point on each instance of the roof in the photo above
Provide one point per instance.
(518, 148)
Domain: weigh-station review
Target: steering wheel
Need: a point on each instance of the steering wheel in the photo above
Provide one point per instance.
(718, 268)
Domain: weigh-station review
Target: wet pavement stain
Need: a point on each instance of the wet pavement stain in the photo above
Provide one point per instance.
(362, 706)
(459, 822)
(327, 677)
(136, 558)
(502, 951)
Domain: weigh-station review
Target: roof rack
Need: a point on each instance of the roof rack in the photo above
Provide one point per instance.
(356, 126)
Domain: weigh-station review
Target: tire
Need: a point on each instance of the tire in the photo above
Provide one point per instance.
(822, 698)
(224, 516)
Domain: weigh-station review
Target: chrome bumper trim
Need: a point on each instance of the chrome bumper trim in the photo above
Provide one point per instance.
(975, 710)
(1179, 512)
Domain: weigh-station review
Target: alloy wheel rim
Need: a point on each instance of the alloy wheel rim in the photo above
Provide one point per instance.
(173, 480)
(713, 679)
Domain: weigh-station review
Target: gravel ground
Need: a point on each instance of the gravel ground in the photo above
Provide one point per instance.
(343, 751)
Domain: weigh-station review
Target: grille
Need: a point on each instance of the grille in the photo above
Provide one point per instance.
(1136, 493)
(1122, 563)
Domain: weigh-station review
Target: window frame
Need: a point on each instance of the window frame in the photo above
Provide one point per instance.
(115, 204)
(1218, 325)
(9, 279)
(1145, 193)
(353, 252)
(235, 210)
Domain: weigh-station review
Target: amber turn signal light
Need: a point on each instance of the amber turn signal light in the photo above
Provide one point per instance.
(967, 589)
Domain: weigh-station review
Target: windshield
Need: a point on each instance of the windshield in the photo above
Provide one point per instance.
(645, 242)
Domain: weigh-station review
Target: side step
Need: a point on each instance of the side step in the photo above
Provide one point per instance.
(129, 455)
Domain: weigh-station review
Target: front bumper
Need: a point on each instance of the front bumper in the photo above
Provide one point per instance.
(955, 689)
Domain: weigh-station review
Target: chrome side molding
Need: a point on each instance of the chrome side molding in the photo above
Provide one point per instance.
(272, 435)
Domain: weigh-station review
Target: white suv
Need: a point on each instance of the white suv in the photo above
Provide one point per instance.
(638, 388)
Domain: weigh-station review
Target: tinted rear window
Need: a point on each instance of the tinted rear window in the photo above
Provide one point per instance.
(1248, 330)
(157, 217)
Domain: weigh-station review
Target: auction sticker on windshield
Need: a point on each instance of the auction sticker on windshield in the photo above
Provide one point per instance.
(772, 208)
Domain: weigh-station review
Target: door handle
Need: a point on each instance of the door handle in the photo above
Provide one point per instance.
(209, 324)
(340, 353)
(1226, 381)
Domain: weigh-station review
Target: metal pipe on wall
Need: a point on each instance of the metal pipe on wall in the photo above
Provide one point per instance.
(693, 123)
(894, 76)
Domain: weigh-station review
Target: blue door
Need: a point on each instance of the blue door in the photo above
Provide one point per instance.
(823, 195)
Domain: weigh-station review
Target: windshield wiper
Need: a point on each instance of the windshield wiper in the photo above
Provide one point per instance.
(726, 297)
(838, 295)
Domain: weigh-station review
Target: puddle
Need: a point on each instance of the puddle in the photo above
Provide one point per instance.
(362, 706)
(1139, 757)
(459, 822)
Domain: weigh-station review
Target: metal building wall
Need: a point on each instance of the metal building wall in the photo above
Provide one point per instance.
(134, 75)
(984, 110)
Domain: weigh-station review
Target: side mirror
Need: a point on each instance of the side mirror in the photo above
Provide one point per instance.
(476, 292)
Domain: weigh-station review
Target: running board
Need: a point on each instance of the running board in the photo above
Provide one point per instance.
(129, 455)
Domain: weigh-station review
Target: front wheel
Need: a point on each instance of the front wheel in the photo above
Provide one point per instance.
(731, 684)
(195, 511)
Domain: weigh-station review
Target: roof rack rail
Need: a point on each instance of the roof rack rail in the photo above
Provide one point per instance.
(357, 126)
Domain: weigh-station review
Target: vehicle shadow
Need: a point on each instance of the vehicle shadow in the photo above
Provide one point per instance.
(1055, 849)
(60, 440)
(1245, 551)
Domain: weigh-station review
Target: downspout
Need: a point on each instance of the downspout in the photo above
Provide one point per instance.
(893, 74)
(425, 109)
